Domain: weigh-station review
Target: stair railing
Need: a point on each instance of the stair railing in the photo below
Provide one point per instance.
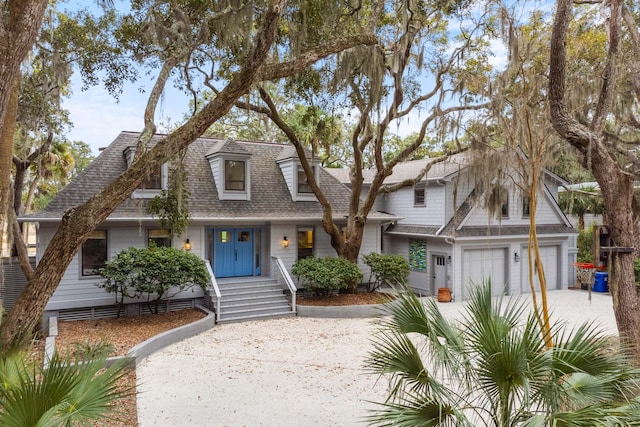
(284, 278)
(216, 290)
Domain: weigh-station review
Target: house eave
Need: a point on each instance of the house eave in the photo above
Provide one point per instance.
(197, 220)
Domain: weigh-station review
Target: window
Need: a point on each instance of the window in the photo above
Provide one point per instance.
(418, 255)
(418, 196)
(154, 182)
(305, 242)
(234, 177)
(224, 236)
(526, 207)
(499, 196)
(504, 211)
(159, 238)
(303, 182)
(94, 253)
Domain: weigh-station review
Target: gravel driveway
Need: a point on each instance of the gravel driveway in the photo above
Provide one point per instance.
(290, 372)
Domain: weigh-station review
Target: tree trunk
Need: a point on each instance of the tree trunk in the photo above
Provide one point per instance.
(78, 223)
(19, 27)
(7, 130)
(616, 185)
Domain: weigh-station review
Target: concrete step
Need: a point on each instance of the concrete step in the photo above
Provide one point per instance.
(250, 300)
(249, 317)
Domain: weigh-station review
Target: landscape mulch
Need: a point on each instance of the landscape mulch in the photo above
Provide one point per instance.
(126, 332)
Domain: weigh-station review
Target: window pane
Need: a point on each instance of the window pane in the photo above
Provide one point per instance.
(526, 207)
(504, 212)
(154, 182)
(234, 175)
(159, 238)
(305, 242)
(94, 253)
(303, 184)
(224, 236)
(418, 196)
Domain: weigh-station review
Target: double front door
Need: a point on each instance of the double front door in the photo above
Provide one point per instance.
(233, 252)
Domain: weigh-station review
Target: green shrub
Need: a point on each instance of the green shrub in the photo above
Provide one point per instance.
(386, 269)
(321, 275)
(152, 273)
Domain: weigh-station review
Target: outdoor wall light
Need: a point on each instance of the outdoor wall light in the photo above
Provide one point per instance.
(187, 245)
(449, 259)
(516, 257)
(285, 242)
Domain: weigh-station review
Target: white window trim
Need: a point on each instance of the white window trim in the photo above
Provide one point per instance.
(144, 193)
(80, 255)
(305, 197)
(424, 196)
(236, 194)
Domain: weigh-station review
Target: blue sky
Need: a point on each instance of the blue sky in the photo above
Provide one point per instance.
(98, 118)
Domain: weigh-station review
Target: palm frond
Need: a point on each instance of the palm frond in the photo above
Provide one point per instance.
(417, 412)
(495, 364)
(67, 391)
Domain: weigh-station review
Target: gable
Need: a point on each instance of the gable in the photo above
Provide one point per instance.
(294, 175)
(547, 211)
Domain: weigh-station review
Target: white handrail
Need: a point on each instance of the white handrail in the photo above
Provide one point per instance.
(287, 280)
(216, 289)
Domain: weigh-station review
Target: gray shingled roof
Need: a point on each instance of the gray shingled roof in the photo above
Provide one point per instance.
(512, 230)
(270, 198)
(409, 170)
(413, 229)
(228, 146)
(478, 231)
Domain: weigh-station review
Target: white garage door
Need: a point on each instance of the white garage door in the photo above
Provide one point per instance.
(549, 258)
(481, 264)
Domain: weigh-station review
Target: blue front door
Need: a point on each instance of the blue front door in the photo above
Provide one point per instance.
(233, 252)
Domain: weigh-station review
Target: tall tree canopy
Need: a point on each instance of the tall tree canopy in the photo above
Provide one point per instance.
(421, 72)
(597, 115)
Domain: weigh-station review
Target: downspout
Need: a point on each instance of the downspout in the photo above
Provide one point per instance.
(444, 205)
(449, 282)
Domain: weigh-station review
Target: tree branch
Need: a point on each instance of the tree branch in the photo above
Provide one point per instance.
(285, 69)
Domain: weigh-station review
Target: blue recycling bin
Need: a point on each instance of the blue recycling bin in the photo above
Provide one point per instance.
(601, 282)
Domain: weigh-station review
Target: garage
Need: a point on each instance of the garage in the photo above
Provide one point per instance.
(549, 258)
(481, 264)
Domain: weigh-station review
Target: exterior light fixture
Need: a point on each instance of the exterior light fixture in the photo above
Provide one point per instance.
(187, 245)
(516, 257)
(285, 242)
(449, 259)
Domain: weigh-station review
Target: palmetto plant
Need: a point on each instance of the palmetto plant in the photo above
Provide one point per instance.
(491, 368)
(66, 393)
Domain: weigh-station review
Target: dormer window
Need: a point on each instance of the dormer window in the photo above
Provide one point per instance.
(153, 185)
(303, 182)
(154, 182)
(294, 175)
(234, 175)
(231, 168)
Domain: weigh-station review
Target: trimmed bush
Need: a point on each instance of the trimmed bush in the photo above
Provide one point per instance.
(322, 275)
(152, 273)
(387, 270)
